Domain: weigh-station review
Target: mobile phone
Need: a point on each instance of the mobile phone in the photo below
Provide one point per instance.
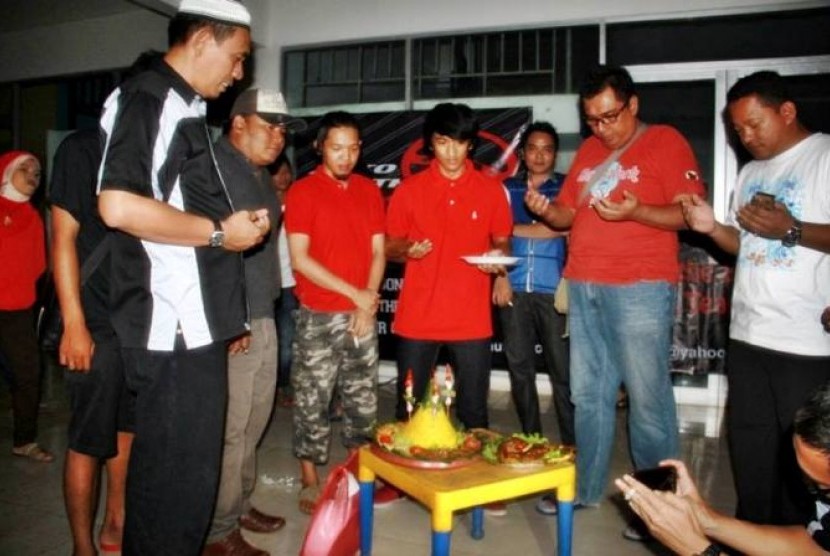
(658, 478)
(764, 200)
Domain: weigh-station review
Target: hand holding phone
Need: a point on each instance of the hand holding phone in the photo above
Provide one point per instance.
(658, 478)
(764, 200)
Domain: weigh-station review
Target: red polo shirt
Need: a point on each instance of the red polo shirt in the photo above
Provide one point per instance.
(340, 222)
(443, 297)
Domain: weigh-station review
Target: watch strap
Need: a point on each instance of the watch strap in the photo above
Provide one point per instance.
(793, 235)
(711, 550)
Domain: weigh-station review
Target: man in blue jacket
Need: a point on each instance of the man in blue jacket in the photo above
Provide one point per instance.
(525, 295)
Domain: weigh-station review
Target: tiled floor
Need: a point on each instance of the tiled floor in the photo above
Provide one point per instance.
(32, 519)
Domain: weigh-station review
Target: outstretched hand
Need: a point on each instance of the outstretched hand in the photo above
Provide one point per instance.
(536, 202)
(699, 215)
(617, 211)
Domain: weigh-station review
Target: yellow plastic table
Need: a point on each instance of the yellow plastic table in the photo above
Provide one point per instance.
(444, 491)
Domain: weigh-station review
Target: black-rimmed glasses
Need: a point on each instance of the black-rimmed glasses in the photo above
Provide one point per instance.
(609, 118)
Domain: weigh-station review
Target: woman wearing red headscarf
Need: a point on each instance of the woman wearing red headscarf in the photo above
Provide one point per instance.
(22, 261)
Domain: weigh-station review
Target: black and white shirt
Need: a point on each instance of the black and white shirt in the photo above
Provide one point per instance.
(819, 528)
(157, 145)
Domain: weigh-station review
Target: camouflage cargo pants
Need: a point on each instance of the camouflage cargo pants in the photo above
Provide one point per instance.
(326, 357)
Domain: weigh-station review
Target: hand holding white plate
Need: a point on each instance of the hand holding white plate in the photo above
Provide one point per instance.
(490, 260)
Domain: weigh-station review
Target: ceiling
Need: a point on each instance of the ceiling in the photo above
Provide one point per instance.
(19, 15)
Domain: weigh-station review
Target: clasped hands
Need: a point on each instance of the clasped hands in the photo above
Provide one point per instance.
(768, 222)
(245, 228)
(362, 319)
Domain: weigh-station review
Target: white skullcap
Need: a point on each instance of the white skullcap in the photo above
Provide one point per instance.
(223, 11)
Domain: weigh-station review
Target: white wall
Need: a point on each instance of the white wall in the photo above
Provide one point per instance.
(83, 46)
(113, 42)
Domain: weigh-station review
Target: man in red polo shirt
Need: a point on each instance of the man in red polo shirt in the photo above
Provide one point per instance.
(448, 211)
(334, 221)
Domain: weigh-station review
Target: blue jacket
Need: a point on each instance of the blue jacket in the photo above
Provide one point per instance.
(540, 260)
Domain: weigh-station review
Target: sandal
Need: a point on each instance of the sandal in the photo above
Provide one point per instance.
(33, 452)
(308, 498)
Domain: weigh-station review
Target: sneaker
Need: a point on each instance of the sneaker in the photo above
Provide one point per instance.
(496, 509)
(547, 505)
(637, 532)
(386, 495)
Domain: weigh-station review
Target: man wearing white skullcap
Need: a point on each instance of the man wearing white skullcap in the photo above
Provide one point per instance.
(176, 283)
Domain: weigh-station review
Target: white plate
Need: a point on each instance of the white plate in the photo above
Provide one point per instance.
(490, 259)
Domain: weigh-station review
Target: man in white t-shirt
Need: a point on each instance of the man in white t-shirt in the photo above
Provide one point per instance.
(779, 228)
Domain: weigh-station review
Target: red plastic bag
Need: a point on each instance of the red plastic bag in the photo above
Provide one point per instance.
(334, 529)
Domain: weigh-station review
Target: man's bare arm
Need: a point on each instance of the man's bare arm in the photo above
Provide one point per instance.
(153, 220)
(305, 264)
(76, 346)
(763, 540)
(700, 217)
(362, 321)
(378, 262)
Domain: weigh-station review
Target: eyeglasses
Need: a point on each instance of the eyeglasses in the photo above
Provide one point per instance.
(609, 118)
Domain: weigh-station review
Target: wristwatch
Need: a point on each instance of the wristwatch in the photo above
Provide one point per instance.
(793, 235)
(217, 236)
(711, 550)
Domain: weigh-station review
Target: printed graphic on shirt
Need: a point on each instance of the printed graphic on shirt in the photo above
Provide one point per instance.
(608, 182)
(760, 251)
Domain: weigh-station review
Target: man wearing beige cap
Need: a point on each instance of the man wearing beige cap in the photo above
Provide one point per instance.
(255, 138)
(176, 289)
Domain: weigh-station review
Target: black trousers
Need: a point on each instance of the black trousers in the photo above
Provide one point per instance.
(19, 346)
(765, 389)
(176, 456)
(531, 319)
(470, 360)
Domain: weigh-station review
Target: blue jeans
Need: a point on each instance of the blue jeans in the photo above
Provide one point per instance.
(621, 334)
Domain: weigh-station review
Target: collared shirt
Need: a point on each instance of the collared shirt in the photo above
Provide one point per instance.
(340, 223)
(443, 297)
(157, 146)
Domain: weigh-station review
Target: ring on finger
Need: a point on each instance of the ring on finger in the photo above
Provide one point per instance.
(630, 494)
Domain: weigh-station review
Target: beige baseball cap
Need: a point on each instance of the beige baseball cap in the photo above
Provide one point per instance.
(269, 105)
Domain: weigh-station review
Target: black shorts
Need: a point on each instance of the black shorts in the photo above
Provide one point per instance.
(101, 404)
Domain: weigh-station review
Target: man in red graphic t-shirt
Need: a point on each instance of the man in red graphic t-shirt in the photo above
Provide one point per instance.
(621, 204)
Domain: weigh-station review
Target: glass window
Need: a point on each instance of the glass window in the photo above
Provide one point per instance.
(538, 61)
(349, 74)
